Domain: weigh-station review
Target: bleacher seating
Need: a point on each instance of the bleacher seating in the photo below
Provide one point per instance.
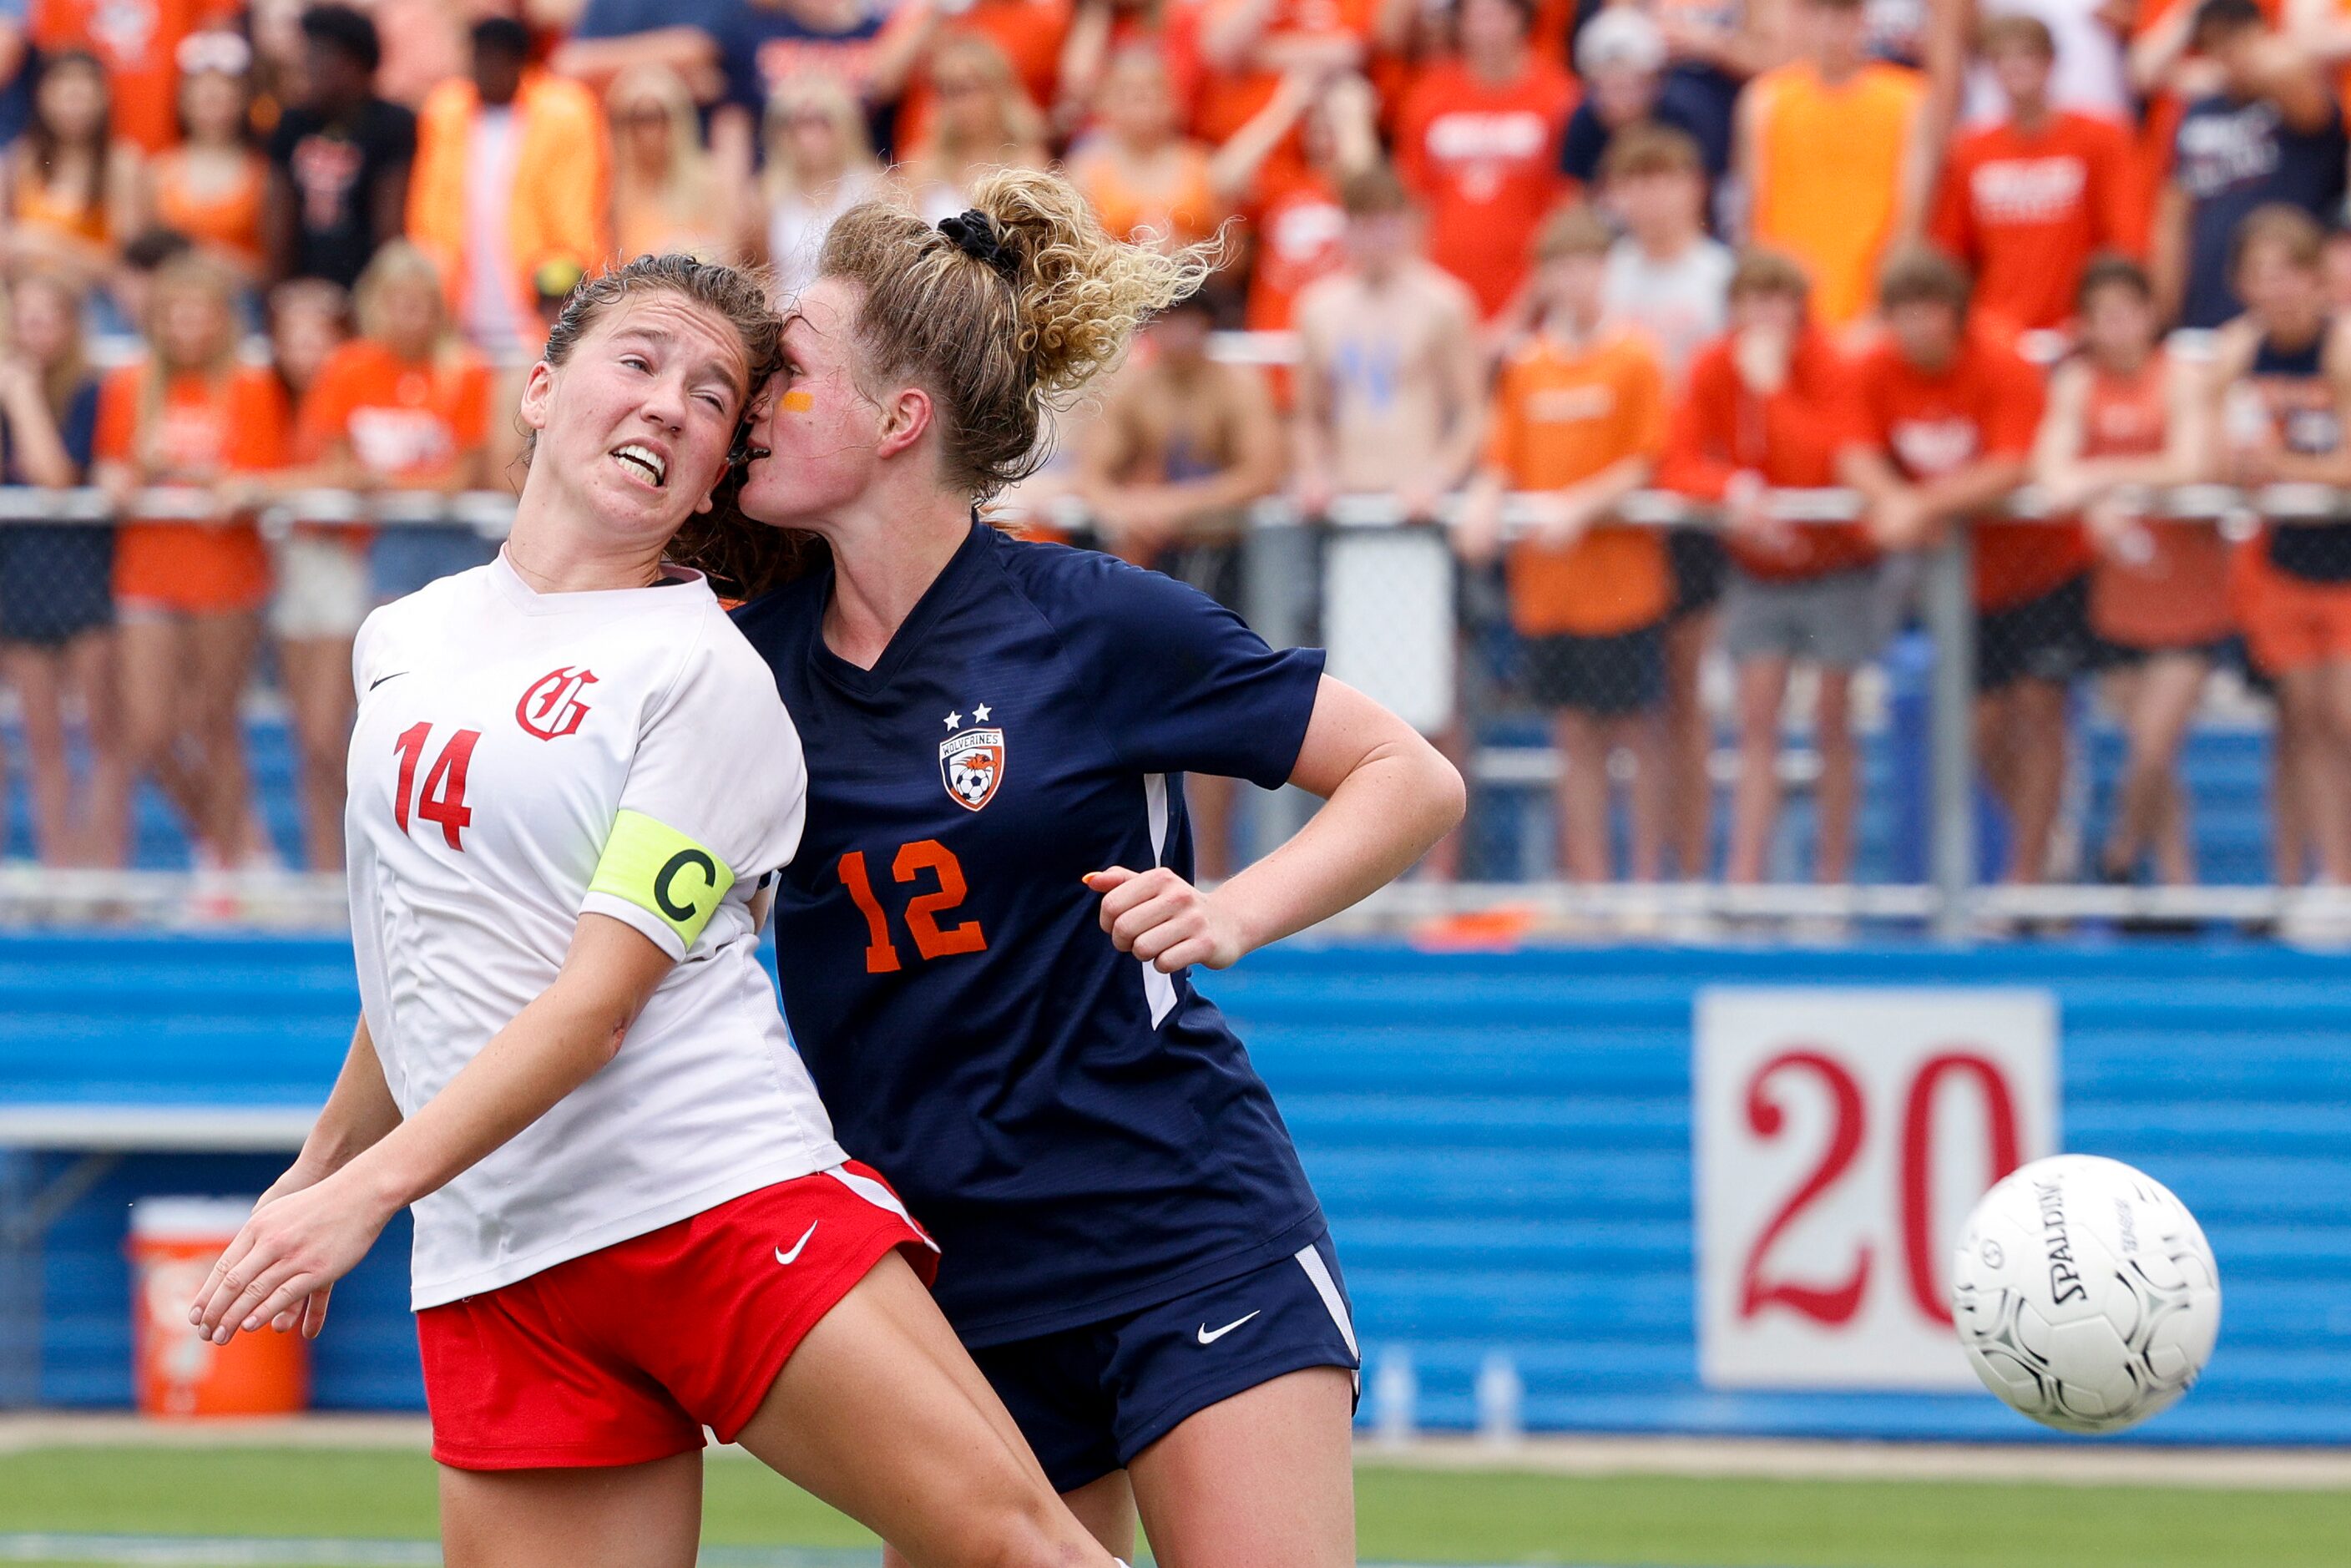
(1502, 1142)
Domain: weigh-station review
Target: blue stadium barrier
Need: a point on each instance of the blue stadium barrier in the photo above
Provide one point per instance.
(1502, 1142)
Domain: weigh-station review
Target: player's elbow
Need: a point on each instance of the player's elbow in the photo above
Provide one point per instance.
(1437, 797)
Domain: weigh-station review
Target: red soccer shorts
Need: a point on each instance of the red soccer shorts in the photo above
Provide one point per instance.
(624, 1355)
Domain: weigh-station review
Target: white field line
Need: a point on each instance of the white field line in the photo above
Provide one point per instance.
(2268, 1470)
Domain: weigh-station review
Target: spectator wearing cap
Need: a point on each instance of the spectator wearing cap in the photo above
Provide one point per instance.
(1833, 151)
(1477, 140)
(136, 43)
(511, 172)
(1579, 417)
(213, 185)
(1621, 54)
(2272, 132)
(2025, 202)
(339, 156)
(666, 191)
(1946, 421)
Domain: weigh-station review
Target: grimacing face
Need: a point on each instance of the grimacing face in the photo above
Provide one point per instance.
(636, 424)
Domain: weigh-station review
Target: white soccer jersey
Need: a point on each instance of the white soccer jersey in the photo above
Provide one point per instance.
(521, 759)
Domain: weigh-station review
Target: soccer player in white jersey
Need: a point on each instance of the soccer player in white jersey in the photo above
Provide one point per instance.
(568, 778)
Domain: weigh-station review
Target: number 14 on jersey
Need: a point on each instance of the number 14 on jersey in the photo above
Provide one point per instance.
(443, 799)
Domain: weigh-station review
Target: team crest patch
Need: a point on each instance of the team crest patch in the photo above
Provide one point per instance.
(971, 765)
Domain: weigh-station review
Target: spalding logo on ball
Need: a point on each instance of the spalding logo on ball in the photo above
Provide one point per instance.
(2086, 1294)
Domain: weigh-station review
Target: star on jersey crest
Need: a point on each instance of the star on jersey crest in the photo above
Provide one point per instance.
(954, 719)
(980, 714)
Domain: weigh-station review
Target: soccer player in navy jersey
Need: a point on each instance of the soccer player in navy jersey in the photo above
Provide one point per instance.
(986, 939)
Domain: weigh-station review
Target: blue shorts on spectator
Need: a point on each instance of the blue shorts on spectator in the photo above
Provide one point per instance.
(2043, 639)
(1604, 676)
(57, 582)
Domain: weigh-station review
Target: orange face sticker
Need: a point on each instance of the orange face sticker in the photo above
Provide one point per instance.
(798, 402)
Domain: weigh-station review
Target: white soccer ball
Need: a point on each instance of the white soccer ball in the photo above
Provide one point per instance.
(2086, 1294)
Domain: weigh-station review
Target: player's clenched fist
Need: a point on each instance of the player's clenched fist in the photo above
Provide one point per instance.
(1165, 921)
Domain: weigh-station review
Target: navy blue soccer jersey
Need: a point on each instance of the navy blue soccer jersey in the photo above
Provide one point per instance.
(1082, 1135)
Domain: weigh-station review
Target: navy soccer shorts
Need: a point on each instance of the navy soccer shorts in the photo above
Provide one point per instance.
(1091, 1398)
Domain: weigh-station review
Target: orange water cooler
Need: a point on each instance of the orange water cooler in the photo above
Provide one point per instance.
(174, 1242)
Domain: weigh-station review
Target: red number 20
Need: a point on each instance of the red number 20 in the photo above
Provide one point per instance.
(443, 796)
(1838, 1303)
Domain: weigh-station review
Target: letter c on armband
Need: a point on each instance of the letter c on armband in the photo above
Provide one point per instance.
(651, 865)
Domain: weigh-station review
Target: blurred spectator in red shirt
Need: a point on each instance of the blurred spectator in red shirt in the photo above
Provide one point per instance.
(2025, 204)
(1140, 173)
(136, 42)
(1028, 32)
(1248, 45)
(1479, 140)
(1100, 28)
(1948, 420)
(1296, 222)
(1765, 410)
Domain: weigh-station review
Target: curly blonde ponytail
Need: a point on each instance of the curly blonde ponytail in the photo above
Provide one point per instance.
(1003, 328)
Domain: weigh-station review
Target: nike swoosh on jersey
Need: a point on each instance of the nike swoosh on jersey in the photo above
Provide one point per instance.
(1211, 1337)
(787, 1259)
(381, 679)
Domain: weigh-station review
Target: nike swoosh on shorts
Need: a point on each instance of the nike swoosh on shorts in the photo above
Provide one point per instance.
(1210, 1337)
(787, 1259)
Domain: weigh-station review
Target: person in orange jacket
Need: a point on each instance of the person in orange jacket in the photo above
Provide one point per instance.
(510, 174)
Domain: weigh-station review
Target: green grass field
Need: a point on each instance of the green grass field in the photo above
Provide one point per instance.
(1407, 1515)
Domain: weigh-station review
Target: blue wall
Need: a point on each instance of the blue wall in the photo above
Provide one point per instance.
(1502, 1142)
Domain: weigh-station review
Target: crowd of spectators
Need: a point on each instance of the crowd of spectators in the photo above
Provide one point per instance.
(1924, 250)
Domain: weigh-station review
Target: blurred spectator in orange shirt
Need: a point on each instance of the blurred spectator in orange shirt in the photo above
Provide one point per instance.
(666, 191)
(1766, 408)
(2026, 203)
(74, 187)
(1141, 175)
(211, 187)
(1028, 32)
(403, 406)
(1297, 224)
(1834, 156)
(1099, 29)
(984, 119)
(1248, 45)
(1579, 416)
(136, 41)
(2124, 415)
(820, 164)
(1948, 419)
(193, 419)
(1479, 140)
(511, 173)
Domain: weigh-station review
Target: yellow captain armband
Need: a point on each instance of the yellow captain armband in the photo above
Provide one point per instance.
(663, 873)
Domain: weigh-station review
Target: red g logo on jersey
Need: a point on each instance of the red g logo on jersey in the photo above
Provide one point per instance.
(971, 765)
(551, 708)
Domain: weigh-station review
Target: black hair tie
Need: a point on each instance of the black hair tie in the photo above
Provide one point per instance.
(975, 233)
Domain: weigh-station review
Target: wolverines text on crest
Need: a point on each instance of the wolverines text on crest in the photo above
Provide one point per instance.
(971, 761)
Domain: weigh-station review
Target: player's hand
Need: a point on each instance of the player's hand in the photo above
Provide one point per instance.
(309, 1314)
(286, 1256)
(1165, 921)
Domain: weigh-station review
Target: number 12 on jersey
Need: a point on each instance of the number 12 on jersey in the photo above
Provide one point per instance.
(931, 940)
(443, 796)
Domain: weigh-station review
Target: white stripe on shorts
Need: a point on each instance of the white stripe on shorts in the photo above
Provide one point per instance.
(880, 1197)
(1328, 1289)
